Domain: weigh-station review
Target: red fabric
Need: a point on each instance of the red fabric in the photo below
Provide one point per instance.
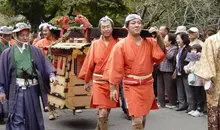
(64, 22)
(99, 69)
(43, 43)
(140, 99)
(100, 97)
(95, 62)
(12, 42)
(80, 19)
(96, 59)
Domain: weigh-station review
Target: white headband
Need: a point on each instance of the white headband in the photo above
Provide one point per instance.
(132, 17)
(104, 19)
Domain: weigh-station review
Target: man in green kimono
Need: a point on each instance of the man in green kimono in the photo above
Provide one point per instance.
(5, 37)
(25, 74)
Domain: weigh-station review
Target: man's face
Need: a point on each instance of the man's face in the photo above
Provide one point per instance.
(163, 31)
(6, 37)
(23, 35)
(46, 32)
(106, 28)
(193, 35)
(134, 27)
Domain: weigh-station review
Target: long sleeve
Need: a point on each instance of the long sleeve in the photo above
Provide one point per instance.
(87, 69)
(114, 70)
(2, 72)
(189, 68)
(186, 68)
(48, 66)
(207, 64)
(171, 54)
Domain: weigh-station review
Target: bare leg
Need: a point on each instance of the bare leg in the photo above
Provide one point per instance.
(103, 114)
(137, 123)
(52, 113)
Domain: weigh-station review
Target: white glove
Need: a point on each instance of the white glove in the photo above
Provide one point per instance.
(54, 80)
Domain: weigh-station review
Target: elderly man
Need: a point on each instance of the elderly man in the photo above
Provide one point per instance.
(163, 30)
(194, 36)
(132, 60)
(93, 68)
(5, 37)
(24, 75)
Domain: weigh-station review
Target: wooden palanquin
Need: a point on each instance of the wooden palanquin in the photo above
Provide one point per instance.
(68, 58)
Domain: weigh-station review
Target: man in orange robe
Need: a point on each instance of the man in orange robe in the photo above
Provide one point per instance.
(132, 60)
(93, 68)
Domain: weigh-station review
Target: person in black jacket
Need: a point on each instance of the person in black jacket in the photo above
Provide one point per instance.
(183, 91)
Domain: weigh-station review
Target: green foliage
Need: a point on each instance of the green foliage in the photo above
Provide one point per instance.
(37, 11)
(96, 9)
(173, 13)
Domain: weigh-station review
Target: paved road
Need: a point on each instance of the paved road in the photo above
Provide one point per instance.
(162, 119)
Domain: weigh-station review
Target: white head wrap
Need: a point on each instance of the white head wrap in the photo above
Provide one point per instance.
(132, 17)
(21, 26)
(104, 19)
(51, 27)
(6, 30)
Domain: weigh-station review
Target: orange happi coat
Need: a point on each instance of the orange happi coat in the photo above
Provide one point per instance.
(95, 63)
(128, 58)
(43, 43)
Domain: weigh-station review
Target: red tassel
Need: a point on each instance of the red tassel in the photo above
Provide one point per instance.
(61, 64)
(55, 62)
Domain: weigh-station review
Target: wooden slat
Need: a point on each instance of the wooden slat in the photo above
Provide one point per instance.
(57, 102)
(77, 101)
(74, 81)
(77, 90)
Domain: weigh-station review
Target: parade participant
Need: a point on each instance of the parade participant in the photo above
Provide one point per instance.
(132, 60)
(12, 41)
(208, 69)
(6, 34)
(5, 38)
(39, 34)
(50, 35)
(93, 67)
(24, 76)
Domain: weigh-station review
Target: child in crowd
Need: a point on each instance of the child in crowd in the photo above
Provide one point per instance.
(195, 83)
